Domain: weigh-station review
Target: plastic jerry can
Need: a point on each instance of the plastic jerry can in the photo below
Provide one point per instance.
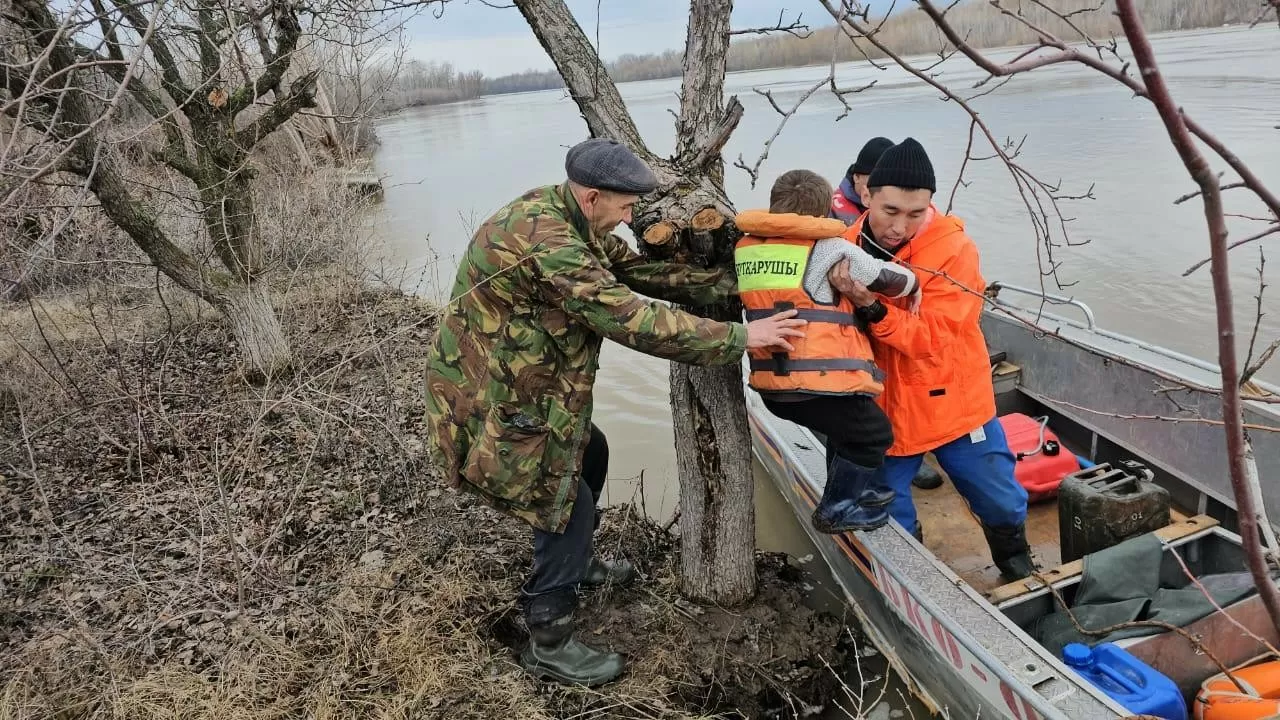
(1127, 680)
(1103, 506)
(1041, 460)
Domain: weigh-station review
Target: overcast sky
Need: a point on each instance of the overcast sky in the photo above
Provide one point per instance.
(474, 36)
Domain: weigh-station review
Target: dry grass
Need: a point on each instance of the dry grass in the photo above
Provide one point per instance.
(183, 544)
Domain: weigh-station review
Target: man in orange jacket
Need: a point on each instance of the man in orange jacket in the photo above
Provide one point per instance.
(938, 393)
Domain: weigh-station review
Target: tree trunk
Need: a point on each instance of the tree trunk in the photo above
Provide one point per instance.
(584, 74)
(713, 456)
(706, 56)
(713, 445)
(256, 328)
(713, 448)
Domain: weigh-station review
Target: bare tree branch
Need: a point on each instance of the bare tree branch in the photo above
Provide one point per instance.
(1196, 194)
(795, 28)
(1263, 359)
(1191, 420)
(288, 30)
(711, 150)
(1267, 7)
(301, 95)
(1257, 321)
(170, 76)
(754, 170)
(968, 155)
(1252, 238)
(1065, 53)
(109, 36)
(1180, 135)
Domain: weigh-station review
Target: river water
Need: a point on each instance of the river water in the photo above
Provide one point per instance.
(447, 168)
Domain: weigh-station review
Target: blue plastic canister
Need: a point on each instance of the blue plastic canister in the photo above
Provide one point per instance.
(1127, 680)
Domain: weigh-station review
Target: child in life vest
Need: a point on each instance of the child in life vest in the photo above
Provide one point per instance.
(829, 382)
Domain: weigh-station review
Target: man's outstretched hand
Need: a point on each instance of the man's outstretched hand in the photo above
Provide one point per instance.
(773, 331)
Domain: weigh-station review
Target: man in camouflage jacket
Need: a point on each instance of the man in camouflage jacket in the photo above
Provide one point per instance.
(510, 375)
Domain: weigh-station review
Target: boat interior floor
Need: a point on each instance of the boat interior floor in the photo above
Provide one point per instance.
(953, 535)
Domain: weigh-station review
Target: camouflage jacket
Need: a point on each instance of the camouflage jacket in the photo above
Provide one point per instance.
(510, 375)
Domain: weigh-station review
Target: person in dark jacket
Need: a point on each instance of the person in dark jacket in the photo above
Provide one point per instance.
(847, 203)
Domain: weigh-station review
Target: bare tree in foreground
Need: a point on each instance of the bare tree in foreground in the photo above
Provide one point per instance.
(1148, 83)
(85, 90)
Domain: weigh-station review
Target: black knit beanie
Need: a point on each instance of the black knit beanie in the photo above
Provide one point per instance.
(905, 165)
(868, 156)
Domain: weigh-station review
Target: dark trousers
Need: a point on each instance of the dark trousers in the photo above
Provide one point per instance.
(560, 559)
(855, 427)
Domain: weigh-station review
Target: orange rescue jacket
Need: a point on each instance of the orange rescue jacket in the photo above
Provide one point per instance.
(936, 359)
(834, 357)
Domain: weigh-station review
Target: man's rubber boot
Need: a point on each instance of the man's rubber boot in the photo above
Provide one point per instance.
(1009, 550)
(554, 654)
(927, 478)
(620, 573)
(841, 508)
(919, 533)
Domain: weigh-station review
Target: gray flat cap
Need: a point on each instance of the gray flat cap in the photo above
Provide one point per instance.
(607, 165)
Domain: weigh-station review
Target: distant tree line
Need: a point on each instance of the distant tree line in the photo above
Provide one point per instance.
(908, 32)
(430, 83)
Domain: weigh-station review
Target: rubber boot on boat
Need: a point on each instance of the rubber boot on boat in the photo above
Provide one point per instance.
(873, 495)
(1009, 550)
(927, 478)
(876, 496)
(619, 573)
(841, 508)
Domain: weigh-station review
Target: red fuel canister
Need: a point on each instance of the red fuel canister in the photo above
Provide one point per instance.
(1040, 465)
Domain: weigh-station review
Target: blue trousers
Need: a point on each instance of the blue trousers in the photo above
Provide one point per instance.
(981, 470)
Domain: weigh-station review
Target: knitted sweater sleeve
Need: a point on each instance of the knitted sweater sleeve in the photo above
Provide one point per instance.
(880, 276)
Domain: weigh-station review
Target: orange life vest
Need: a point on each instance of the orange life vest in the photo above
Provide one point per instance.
(834, 357)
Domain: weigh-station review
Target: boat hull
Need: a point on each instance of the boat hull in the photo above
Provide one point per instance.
(1104, 393)
(899, 592)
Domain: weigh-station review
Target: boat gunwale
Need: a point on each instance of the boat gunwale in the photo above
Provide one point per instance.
(1082, 335)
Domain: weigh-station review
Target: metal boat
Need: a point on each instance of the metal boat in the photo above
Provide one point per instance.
(940, 613)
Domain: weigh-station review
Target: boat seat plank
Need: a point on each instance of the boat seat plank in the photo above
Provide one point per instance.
(1174, 531)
